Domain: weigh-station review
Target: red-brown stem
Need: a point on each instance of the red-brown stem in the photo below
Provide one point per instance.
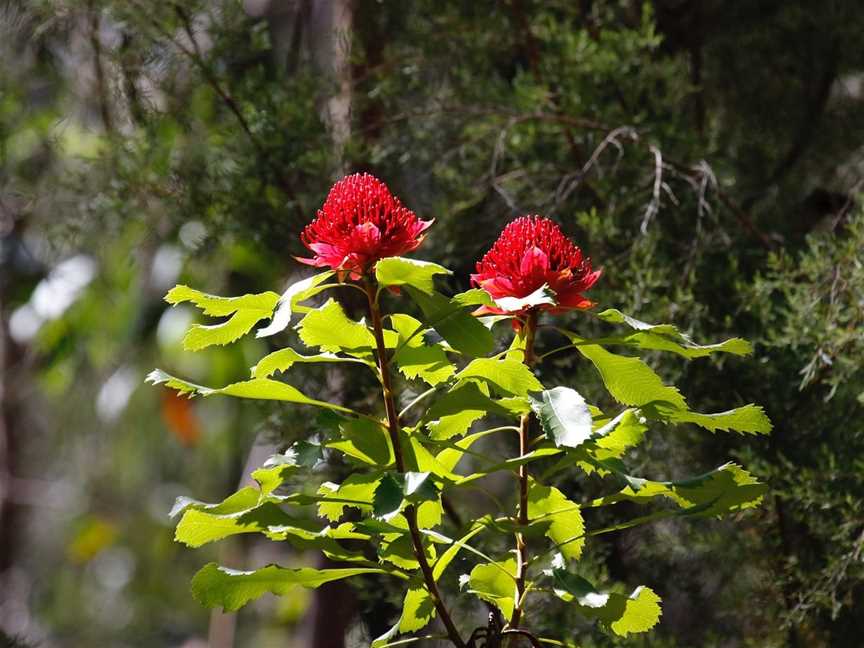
(394, 428)
(524, 428)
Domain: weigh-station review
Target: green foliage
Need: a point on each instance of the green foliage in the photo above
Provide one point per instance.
(393, 499)
(243, 313)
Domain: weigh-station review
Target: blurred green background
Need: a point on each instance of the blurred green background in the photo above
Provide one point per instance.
(707, 154)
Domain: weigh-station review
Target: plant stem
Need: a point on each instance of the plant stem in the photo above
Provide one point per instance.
(394, 429)
(524, 429)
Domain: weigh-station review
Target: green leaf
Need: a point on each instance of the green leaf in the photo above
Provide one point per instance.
(507, 376)
(473, 297)
(389, 498)
(260, 388)
(197, 527)
(398, 489)
(462, 331)
(356, 491)
(221, 306)
(398, 549)
(243, 313)
(458, 409)
(621, 614)
(629, 380)
(726, 489)
(329, 329)
(666, 337)
(547, 504)
(297, 292)
(415, 358)
(496, 584)
(447, 557)
(398, 271)
(749, 418)
(364, 440)
(231, 589)
(620, 434)
(564, 416)
(418, 609)
(543, 295)
(284, 359)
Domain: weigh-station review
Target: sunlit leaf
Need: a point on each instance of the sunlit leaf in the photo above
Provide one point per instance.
(549, 505)
(415, 357)
(295, 293)
(564, 416)
(726, 489)
(506, 376)
(231, 589)
(666, 337)
(495, 583)
(260, 388)
(629, 380)
(398, 271)
(284, 359)
(329, 329)
(243, 314)
(620, 614)
(749, 418)
(461, 330)
(543, 295)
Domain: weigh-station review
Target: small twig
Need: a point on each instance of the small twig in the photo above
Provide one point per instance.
(654, 205)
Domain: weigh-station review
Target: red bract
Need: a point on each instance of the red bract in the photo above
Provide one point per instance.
(361, 222)
(533, 251)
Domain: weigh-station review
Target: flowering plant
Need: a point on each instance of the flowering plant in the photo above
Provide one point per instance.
(449, 390)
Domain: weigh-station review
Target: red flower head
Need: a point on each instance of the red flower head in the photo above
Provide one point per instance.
(533, 251)
(361, 222)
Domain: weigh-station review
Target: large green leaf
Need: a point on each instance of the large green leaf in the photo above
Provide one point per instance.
(619, 434)
(415, 357)
(543, 295)
(418, 609)
(329, 329)
(284, 359)
(629, 380)
(749, 418)
(243, 313)
(364, 440)
(398, 271)
(295, 293)
(356, 491)
(462, 331)
(666, 337)
(548, 505)
(215, 306)
(564, 416)
(620, 614)
(495, 583)
(726, 489)
(231, 589)
(260, 388)
(508, 377)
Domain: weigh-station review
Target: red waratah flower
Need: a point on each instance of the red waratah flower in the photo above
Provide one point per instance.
(533, 251)
(361, 222)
